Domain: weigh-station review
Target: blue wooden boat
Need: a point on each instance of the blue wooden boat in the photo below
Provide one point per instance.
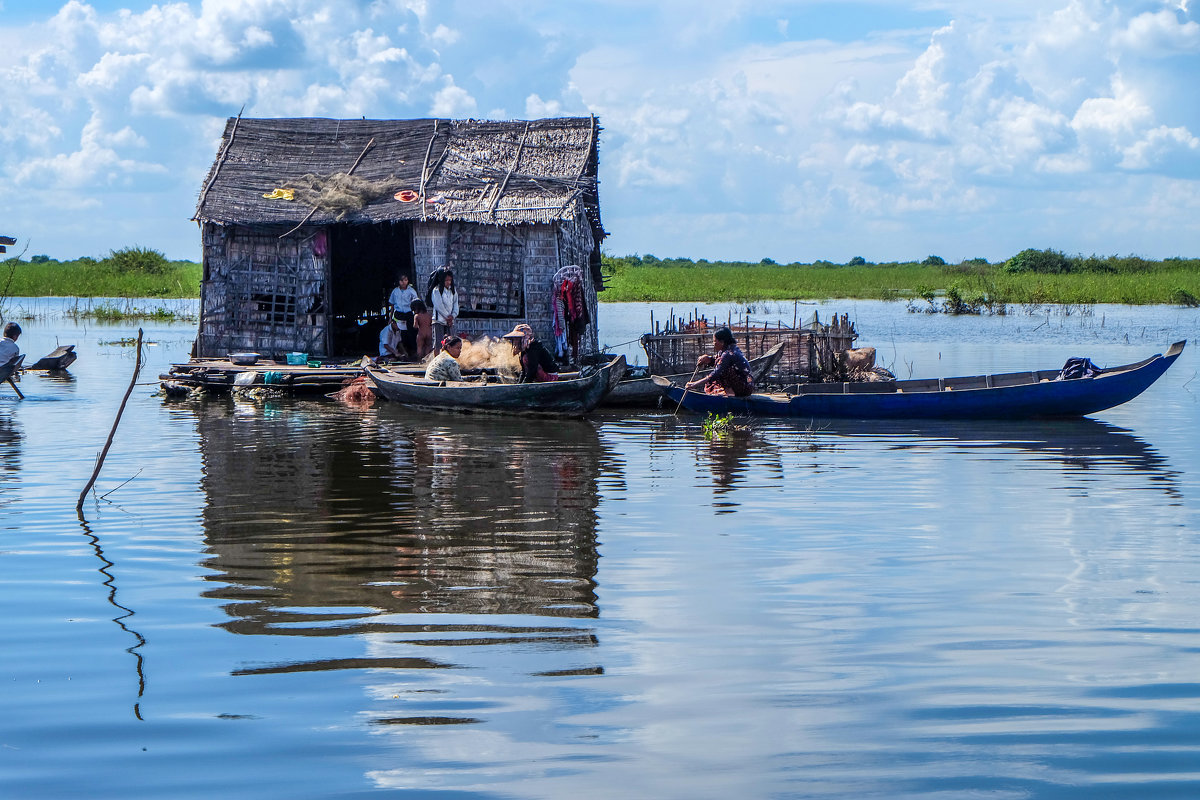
(1014, 395)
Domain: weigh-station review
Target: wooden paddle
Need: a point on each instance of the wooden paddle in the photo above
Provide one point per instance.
(686, 390)
(15, 389)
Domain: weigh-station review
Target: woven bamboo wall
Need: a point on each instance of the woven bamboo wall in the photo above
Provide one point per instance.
(261, 293)
(487, 257)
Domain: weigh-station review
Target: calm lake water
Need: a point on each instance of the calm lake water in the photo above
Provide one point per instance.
(296, 599)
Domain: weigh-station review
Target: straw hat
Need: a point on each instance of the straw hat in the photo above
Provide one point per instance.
(519, 332)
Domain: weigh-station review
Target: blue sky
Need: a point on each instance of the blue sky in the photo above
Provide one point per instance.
(733, 129)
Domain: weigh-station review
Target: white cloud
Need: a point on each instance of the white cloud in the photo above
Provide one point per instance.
(1161, 33)
(96, 161)
(444, 36)
(452, 101)
(536, 107)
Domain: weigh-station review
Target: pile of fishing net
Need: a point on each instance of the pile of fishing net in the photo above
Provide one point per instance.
(487, 352)
(340, 192)
(355, 391)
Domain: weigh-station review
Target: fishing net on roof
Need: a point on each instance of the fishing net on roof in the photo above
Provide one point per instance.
(340, 193)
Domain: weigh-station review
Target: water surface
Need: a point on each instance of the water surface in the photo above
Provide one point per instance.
(299, 599)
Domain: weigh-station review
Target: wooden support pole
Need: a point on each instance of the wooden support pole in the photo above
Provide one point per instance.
(137, 368)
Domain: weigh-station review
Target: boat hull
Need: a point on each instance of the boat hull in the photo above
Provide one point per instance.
(561, 398)
(1031, 395)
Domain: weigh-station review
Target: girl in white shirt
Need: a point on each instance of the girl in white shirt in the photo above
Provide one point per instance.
(445, 311)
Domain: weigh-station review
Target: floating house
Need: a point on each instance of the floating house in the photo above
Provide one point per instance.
(306, 224)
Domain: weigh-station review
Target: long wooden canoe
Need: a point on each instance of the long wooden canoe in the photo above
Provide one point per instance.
(1014, 395)
(570, 397)
(645, 392)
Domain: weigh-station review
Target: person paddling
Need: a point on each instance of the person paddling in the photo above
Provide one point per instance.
(731, 371)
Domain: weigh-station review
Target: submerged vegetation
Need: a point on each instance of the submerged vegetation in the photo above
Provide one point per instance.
(1030, 278)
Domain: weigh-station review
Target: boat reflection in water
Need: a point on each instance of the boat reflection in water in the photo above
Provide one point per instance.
(1078, 445)
(765, 452)
(445, 529)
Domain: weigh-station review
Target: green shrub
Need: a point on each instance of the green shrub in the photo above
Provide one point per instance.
(933, 261)
(1045, 262)
(137, 259)
(1182, 297)
(857, 261)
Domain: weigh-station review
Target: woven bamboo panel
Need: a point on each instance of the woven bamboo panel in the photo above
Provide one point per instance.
(807, 353)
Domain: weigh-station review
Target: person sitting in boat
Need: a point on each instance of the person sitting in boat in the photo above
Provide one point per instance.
(8, 345)
(537, 365)
(390, 345)
(731, 371)
(444, 366)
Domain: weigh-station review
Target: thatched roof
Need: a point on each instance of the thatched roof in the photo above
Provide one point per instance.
(495, 172)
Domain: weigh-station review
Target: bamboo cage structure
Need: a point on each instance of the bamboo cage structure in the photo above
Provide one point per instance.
(810, 353)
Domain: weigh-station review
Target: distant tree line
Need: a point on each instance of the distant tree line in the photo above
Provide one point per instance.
(1031, 260)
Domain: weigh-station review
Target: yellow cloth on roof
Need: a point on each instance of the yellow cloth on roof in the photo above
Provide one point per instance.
(280, 194)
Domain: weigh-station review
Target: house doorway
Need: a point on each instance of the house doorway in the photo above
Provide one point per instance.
(364, 263)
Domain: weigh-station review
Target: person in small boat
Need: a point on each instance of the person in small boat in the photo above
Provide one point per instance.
(8, 345)
(444, 366)
(537, 365)
(731, 371)
(390, 346)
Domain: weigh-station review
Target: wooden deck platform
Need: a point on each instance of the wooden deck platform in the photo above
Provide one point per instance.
(219, 375)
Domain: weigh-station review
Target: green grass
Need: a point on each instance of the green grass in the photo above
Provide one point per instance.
(1029, 277)
(132, 272)
(1088, 280)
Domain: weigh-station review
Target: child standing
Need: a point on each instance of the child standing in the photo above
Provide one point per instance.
(423, 321)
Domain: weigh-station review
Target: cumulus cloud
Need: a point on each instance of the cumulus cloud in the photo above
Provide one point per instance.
(1161, 33)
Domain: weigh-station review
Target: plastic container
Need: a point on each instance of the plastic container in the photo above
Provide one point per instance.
(297, 359)
(313, 363)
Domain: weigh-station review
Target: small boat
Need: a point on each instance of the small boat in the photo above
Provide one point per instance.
(1014, 395)
(641, 390)
(10, 369)
(61, 358)
(569, 396)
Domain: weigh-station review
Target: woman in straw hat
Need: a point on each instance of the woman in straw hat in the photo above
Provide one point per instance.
(537, 365)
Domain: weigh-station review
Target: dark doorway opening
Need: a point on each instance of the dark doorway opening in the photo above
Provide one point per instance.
(364, 263)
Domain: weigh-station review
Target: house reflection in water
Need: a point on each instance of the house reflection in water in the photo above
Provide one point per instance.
(324, 521)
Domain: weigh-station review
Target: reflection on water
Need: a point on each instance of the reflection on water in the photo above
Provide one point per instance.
(123, 614)
(761, 450)
(10, 453)
(357, 522)
(1078, 445)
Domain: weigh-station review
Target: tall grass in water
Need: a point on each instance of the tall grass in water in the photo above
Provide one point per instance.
(1057, 279)
(132, 272)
